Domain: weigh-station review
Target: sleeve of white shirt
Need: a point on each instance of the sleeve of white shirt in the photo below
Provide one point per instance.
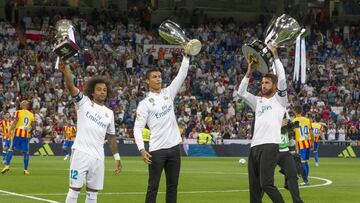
(282, 87)
(80, 99)
(180, 77)
(111, 126)
(140, 122)
(249, 98)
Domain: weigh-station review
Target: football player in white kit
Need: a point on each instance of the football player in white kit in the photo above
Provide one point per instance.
(269, 111)
(95, 122)
(157, 111)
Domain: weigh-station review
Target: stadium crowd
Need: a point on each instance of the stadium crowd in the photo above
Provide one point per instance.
(207, 102)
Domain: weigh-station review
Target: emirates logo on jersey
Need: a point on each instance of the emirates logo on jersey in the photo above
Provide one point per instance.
(164, 112)
(166, 98)
(263, 109)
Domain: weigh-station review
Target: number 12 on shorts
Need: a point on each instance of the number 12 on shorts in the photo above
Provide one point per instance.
(74, 174)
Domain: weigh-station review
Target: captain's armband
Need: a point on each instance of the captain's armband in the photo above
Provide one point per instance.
(78, 97)
(282, 93)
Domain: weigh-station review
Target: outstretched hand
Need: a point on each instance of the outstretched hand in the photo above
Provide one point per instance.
(251, 64)
(273, 47)
(62, 67)
(186, 49)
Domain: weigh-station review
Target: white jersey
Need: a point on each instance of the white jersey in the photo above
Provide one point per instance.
(269, 113)
(157, 111)
(93, 122)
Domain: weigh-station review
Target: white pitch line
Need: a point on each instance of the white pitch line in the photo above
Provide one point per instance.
(327, 182)
(27, 196)
(146, 171)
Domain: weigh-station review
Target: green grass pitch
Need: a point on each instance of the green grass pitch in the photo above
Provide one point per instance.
(202, 180)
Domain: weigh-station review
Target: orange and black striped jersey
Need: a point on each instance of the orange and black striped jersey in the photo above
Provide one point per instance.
(70, 132)
(5, 127)
(23, 125)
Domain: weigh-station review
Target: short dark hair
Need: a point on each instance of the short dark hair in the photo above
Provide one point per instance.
(148, 72)
(298, 109)
(90, 86)
(272, 77)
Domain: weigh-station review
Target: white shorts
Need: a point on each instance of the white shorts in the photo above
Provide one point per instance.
(85, 169)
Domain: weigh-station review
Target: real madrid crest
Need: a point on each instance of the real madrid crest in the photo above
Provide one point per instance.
(165, 97)
(151, 100)
(106, 115)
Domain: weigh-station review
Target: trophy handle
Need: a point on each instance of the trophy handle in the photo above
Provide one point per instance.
(270, 26)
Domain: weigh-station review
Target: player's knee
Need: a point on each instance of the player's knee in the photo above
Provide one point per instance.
(267, 188)
(91, 196)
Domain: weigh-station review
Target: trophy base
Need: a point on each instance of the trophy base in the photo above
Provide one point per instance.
(194, 47)
(263, 55)
(66, 49)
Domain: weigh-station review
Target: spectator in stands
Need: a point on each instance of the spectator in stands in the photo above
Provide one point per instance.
(341, 133)
(218, 65)
(331, 132)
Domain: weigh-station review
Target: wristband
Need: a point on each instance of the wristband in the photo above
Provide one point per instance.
(117, 156)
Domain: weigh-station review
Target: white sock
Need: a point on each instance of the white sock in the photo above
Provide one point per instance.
(72, 196)
(91, 197)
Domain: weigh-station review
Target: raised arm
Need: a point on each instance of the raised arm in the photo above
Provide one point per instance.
(280, 73)
(180, 77)
(249, 98)
(69, 83)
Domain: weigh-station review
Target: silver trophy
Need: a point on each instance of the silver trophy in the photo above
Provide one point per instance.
(65, 46)
(172, 33)
(281, 31)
